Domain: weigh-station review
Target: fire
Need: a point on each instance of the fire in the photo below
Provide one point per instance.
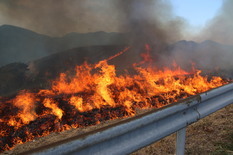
(53, 106)
(26, 103)
(94, 94)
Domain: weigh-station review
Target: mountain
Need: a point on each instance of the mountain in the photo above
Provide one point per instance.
(22, 45)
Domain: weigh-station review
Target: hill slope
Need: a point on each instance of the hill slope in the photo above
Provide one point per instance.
(22, 45)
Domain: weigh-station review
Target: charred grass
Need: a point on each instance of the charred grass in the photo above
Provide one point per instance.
(212, 135)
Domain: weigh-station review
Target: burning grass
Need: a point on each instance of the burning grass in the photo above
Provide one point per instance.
(93, 95)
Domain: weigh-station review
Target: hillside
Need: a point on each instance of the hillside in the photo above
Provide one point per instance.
(38, 74)
(22, 45)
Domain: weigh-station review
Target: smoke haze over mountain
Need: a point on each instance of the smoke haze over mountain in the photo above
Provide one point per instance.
(57, 18)
(60, 17)
(146, 19)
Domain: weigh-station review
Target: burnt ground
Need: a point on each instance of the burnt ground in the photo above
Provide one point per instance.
(211, 135)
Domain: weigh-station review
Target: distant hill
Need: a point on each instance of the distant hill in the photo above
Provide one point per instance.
(22, 45)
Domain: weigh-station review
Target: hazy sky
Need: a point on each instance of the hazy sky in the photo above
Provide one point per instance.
(196, 12)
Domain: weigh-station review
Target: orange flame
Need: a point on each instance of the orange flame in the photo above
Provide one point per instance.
(25, 101)
(49, 103)
(97, 88)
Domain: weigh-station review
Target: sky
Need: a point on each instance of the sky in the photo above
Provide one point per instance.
(196, 12)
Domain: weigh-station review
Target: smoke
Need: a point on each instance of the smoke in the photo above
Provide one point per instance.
(143, 18)
(60, 17)
(151, 20)
(220, 28)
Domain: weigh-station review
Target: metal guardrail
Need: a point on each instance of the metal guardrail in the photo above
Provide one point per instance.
(140, 131)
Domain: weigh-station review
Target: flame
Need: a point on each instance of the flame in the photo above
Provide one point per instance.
(96, 93)
(53, 106)
(25, 101)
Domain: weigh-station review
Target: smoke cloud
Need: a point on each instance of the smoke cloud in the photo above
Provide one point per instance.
(142, 18)
(60, 17)
(151, 21)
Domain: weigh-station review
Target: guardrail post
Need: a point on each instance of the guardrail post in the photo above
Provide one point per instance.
(180, 141)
